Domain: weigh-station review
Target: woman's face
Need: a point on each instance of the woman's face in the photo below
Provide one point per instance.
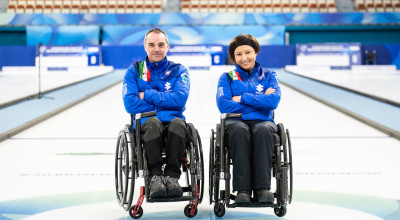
(245, 57)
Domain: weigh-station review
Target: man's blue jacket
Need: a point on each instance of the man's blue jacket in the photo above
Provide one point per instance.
(254, 104)
(165, 85)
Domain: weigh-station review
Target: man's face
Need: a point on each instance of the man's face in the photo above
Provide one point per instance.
(156, 47)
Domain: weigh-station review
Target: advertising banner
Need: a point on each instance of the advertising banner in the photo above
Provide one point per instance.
(328, 54)
(197, 56)
(63, 57)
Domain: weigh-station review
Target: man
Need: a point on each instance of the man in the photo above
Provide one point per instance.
(157, 84)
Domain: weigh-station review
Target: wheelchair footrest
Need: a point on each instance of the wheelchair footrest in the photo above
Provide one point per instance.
(170, 199)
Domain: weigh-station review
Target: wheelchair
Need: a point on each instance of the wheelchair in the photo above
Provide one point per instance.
(219, 168)
(130, 164)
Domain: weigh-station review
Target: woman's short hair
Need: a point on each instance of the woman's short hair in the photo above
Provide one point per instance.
(242, 39)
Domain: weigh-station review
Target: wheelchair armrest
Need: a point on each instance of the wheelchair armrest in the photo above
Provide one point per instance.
(231, 115)
(192, 131)
(217, 137)
(281, 133)
(128, 128)
(145, 115)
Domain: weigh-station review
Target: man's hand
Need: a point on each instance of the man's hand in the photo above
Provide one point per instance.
(141, 95)
(269, 91)
(236, 98)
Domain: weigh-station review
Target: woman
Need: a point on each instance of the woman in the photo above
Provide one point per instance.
(254, 92)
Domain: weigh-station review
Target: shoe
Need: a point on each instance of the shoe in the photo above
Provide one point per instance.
(243, 197)
(173, 187)
(157, 187)
(264, 195)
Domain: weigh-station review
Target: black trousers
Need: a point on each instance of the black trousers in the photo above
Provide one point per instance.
(153, 136)
(251, 146)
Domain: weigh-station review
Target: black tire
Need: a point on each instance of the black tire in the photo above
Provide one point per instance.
(138, 214)
(130, 177)
(200, 182)
(211, 167)
(290, 167)
(193, 178)
(187, 210)
(120, 168)
(124, 171)
(219, 210)
(278, 174)
(216, 176)
(280, 211)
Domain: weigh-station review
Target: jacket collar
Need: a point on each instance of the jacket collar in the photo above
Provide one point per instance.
(160, 66)
(244, 74)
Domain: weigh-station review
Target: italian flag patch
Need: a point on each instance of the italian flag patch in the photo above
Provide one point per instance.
(144, 72)
(234, 75)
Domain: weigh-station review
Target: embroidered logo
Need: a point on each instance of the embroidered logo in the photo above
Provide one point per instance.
(185, 78)
(124, 89)
(220, 91)
(260, 88)
(167, 87)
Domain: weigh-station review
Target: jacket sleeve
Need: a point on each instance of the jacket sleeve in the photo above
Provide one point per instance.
(264, 101)
(130, 94)
(174, 100)
(224, 98)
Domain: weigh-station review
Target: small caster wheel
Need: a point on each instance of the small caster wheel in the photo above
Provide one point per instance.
(188, 209)
(138, 214)
(219, 209)
(280, 211)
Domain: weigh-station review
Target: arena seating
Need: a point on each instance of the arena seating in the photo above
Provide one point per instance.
(377, 5)
(195, 6)
(85, 6)
(257, 6)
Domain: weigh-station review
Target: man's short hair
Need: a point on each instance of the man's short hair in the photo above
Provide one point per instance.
(155, 30)
(242, 39)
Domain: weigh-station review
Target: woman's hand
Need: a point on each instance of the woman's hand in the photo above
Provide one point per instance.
(236, 98)
(269, 91)
(141, 95)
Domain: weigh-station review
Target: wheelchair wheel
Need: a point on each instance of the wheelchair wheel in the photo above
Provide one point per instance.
(280, 211)
(120, 168)
(200, 167)
(219, 209)
(211, 167)
(284, 168)
(138, 214)
(124, 171)
(188, 209)
(290, 166)
(214, 169)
